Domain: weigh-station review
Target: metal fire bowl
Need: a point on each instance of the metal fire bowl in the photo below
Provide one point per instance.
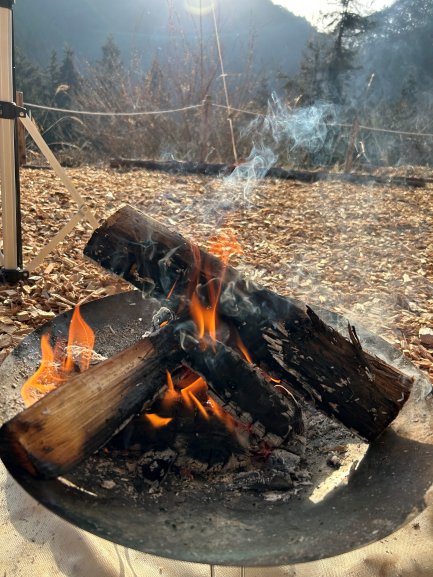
(388, 489)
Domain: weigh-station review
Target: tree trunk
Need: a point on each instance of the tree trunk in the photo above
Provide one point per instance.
(274, 172)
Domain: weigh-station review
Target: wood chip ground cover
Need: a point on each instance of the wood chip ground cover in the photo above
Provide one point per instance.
(365, 252)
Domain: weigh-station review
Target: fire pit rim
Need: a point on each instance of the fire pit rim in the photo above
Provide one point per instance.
(62, 500)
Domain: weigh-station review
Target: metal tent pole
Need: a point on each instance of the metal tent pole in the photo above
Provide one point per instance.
(11, 258)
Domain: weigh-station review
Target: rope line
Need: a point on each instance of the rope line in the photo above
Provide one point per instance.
(155, 112)
(238, 110)
(113, 113)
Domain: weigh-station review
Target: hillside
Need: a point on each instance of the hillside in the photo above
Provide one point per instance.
(399, 51)
(47, 24)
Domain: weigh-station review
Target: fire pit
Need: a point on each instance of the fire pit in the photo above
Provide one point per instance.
(328, 511)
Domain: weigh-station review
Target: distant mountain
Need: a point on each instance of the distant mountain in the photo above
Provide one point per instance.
(46, 24)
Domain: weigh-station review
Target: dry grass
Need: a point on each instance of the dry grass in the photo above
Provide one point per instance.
(363, 252)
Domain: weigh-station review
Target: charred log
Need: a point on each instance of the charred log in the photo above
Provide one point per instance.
(240, 388)
(71, 422)
(209, 440)
(299, 175)
(286, 338)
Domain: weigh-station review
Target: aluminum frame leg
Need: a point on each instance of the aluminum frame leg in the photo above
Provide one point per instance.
(7, 147)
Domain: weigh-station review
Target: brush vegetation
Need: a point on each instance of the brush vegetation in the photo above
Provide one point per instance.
(347, 71)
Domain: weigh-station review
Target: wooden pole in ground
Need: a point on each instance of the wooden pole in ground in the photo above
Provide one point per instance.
(21, 133)
(351, 147)
(205, 118)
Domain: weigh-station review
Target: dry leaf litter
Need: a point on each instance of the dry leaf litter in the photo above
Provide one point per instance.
(364, 252)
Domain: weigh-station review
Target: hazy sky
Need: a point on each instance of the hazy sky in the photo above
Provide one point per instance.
(308, 8)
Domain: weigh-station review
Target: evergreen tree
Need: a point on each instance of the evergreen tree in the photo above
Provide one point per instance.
(69, 77)
(109, 76)
(330, 57)
(53, 74)
(311, 83)
(29, 77)
(110, 66)
(345, 24)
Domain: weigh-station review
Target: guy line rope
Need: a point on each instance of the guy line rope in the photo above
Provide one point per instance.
(230, 108)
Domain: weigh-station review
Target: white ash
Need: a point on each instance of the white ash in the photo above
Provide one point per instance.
(154, 466)
(164, 315)
(78, 353)
(280, 460)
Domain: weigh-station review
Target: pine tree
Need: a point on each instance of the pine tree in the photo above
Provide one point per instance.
(110, 66)
(346, 25)
(311, 84)
(29, 77)
(110, 77)
(52, 74)
(330, 57)
(69, 77)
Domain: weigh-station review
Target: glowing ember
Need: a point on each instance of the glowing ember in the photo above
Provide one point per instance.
(60, 364)
(172, 288)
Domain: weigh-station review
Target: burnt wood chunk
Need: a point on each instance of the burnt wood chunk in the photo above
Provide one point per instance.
(201, 445)
(240, 388)
(73, 421)
(285, 338)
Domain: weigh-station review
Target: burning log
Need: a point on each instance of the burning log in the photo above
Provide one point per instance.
(81, 415)
(289, 341)
(240, 388)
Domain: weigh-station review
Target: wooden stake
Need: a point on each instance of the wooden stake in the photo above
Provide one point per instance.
(351, 147)
(205, 118)
(21, 133)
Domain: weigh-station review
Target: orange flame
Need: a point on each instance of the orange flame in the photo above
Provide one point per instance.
(157, 421)
(188, 393)
(58, 365)
(82, 337)
(241, 346)
(223, 245)
(171, 395)
(196, 394)
(46, 378)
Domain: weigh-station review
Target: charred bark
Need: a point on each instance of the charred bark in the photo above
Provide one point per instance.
(299, 175)
(240, 388)
(71, 422)
(286, 339)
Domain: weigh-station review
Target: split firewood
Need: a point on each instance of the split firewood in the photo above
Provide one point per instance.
(67, 425)
(287, 340)
(74, 420)
(240, 388)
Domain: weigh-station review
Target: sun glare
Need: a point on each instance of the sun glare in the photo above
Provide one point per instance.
(200, 7)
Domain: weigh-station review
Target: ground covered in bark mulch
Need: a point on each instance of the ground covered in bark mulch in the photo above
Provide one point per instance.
(365, 252)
